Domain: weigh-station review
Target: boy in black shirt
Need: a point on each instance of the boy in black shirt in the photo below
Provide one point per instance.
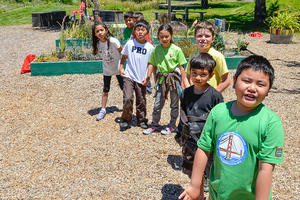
(196, 103)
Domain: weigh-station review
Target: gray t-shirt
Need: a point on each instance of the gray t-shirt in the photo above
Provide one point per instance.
(111, 57)
(137, 60)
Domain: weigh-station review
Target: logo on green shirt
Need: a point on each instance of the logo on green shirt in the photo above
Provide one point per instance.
(232, 148)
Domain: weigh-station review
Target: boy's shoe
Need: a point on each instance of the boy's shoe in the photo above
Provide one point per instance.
(167, 131)
(101, 114)
(124, 126)
(150, 130)
(206, 184)
(143, 125)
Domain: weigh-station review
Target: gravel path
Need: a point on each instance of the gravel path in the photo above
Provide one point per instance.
(52, 147)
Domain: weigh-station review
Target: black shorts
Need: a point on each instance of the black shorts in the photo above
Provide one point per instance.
(107, 80)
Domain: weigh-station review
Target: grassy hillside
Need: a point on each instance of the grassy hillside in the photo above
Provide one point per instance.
(238, 14)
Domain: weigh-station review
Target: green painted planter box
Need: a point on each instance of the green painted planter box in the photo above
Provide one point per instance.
(60, 68)
(233, 62)
(92, 67)
(87, 43)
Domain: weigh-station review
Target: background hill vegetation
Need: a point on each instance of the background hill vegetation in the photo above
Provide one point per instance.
(239, 14)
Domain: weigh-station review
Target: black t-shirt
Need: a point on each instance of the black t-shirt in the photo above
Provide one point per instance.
(197, 104)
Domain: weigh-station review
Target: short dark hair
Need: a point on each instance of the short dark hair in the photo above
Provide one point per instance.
(203, 61)
(138, 14)
(143, 23)
(256, 63)
(205, 25)
(128, 15)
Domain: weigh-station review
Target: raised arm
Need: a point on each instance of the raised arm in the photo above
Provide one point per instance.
(196, 186)
(264, 181)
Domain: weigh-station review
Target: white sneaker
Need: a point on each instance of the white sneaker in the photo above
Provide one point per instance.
(101, 114)
(167, 131)
(150, 130)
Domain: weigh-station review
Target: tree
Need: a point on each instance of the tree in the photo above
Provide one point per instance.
(204, 3)
(260, 13)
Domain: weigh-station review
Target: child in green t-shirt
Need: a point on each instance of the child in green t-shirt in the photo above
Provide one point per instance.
(245, 137)
(129, 21)
(167, 64)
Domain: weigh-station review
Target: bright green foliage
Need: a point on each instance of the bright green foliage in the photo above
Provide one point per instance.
(62, 41)
(285, 20)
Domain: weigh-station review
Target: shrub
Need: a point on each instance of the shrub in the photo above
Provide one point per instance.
(273, 8)
(285, 20)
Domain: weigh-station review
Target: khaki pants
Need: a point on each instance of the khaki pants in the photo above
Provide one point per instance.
(129, 88)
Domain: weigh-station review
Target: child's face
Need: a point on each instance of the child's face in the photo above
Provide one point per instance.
(100, 32)
(129, 22)
(140, 32)
(200, 78)
(204, 38)
(251, 88)
(165, 38)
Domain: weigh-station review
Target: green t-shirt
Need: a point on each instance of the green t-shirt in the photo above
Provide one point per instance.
(167, 59)
(220, 69)
(127, 34)
(238, 143)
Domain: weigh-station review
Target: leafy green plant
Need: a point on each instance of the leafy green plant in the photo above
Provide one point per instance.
(273, 8)
(218, 43)
(62, 41)
(285, 20)
(241, 44)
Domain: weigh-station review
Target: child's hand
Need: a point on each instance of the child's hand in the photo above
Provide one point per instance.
(122, 73)
(145, 81)
(190, 193)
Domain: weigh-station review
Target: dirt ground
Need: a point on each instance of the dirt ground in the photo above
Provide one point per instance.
(53, 148)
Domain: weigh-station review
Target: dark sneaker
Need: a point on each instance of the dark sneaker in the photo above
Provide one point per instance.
(123, 126)
(143, 125)
(206, 185)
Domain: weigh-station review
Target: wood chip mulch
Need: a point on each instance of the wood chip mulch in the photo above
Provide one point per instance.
(53, 148)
